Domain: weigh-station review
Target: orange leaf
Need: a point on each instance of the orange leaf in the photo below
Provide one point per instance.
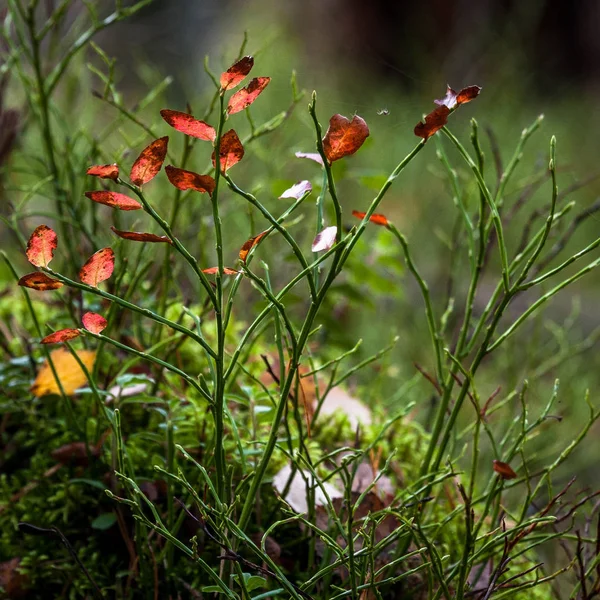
(504, 470)
(104, 171)
(149, 162)
(324, 239)
(311, 156)
(136, 236)
(378, 219)
(94, 322)
(434, 121)
(297, 190)
(98, 268)
(188, 180)
(40, 282)
(231, 150)
(344, 137)
(250, 244)
(236, 73)
(63, 335)
(114, 200)
(246, 96)
(68, 371)
(41, 246)
(187, 124)
(215, 270)
(453, 99)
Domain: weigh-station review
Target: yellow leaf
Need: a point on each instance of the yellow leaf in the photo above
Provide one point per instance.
(69, 373)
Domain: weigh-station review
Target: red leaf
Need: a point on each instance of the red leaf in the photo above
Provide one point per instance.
(231, 150)
(94, 322)
(98, 268)
(504, 470)
(41, 246)
(344, 137)
(378, 219)
(149, 162)
(187, 124)
(188, 180)
(434, 121)
(248, 245)
(114, 200)
(311, 156)
(215, 270)
(63, 335)
(236, 73)
(247, 95)
(467, 94)
(104, 171)
(40, 282)
(140, 237)
(325, 239)
(297, 190)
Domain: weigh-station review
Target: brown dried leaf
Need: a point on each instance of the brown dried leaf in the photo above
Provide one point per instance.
(104, 171)
(114, 200)
(62, 335)
(231, 150)
(188, 180)
(187, 124)
(98, 268)
(249, 244)
(41, 246)
(246, 96)
(236, 73)
(215, 270)
(137, 236)
(504, 470)
(40, 282)
(434, 121)
(149, 162)
(344, 137)
(467, 94)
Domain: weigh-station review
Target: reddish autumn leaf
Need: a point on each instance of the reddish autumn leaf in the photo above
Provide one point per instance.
(297, 190)
(94, 322)
(376, 218)
(311, 156)
(149, 162)
(324, 239)
(248, 245)
(246, 96)
(453, 99)
(63, 335)
(434, 121)
(504, 470)
(188, 180)
(231, 150)
(104, 171)
(236, 73)
(136, 236)
(215, 270)
(114, 200)
(187, 124)
(41, 246)
(40, 282)
(344, 137)
(98, 268)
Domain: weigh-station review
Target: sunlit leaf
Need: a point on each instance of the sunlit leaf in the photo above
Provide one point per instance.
(114, 200)
(236, 73)
(41, 246)
(40, 282)
(376, 218)
(187, 124)
(231, 150)
(452, 98)
(251, 243)
(69, 373)
(215, 270)
(344, 137)
(434, 121)
(316, 157)
(98, 268)
(325, 239)
(94, 322)
(149, 162)
(297, 190)
(63, 335)
(140, 237)
(504, 470)
(104, 171)
(247, 95)
(188, 180)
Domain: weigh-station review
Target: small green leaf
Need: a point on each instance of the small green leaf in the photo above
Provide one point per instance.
(104, 521)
